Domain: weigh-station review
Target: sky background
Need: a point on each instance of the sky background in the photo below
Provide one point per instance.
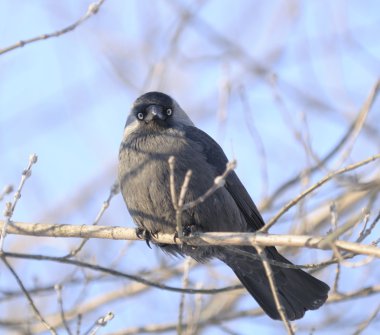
(252, 74)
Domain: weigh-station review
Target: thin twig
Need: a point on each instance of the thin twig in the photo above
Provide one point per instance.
(257, 140)
(7, 295)
(338, 232)
(333, 298)
(367, 322)
(113, 191)
(120, 274)
(79, 323)
(337, 277)
(226, 330)
(273, 287)
(195, 317)
(358, 264)
(366, 232)
(91, 10)
(58, 289)
(185, 283)
(180, 206)
(10, 206)
(351, 131)
(6, 190)
(171, 162)
(105, 297)
(334, 224)
(101, 322)
(27, 296)
(362, 117)
(218, 183)
(334, 216)
(234, 315)
(314, 187)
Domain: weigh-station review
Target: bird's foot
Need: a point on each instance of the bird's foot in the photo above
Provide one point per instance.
(190, 230)
(146, 235)
(187, 231)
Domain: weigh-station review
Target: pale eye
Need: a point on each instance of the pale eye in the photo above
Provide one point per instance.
(140, 116)
(169, 112)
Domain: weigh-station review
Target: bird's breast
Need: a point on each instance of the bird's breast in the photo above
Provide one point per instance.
(144, 178)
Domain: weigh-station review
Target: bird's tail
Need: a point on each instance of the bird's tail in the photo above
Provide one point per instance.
(297, 290)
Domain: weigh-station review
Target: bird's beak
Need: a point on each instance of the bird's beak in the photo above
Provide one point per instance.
(154, 112)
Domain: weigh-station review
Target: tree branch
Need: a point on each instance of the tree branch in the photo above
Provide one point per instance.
(314, 187)
(221, 238)
(92, 10)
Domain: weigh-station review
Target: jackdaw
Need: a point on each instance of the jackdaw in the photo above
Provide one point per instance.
(158, 128)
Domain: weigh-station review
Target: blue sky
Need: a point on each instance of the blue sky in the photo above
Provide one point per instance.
(66, 99)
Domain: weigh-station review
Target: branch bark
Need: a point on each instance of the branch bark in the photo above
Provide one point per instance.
(223, 238)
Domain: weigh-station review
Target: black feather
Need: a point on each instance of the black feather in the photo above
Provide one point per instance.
(144, 180)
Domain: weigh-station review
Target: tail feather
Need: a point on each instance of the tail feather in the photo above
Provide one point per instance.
(298, 291)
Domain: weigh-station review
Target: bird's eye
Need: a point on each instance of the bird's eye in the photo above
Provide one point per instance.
(169, 112)
(140, 116)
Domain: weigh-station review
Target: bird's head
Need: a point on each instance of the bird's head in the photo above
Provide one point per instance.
(153, 110)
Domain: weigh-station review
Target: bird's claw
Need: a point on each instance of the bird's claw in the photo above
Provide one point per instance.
(188, 231)
(146, 235)
(154, 234)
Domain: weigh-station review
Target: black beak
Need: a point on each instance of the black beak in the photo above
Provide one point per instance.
(154, 112)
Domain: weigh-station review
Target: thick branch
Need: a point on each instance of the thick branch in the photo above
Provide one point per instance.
(225, 238)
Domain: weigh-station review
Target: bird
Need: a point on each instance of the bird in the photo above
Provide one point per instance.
(157, 128)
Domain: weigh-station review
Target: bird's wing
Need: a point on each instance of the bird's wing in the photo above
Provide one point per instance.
(217, 158)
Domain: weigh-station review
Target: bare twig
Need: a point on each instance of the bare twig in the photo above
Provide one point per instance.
(120, 274)
(6, 190)
(338, 232)
(172, 181)
(113, 191)
(218, 183)
(358, 264)
(314, 187)
(367, 322)
(101, 322)
(79, 323)
(273, 287)
(91, 10)
(179, 208)
(367, 231)
(10, 206)
(193, 320)
(257, 140)
(224, 96)
(233, 315)
(103, 298)
(58, 289)
(185, 283)
(337, 277)
(356, 125)
(226, 330)
(334, 224)
(362, 117)
(7, 295)
(27, 296)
